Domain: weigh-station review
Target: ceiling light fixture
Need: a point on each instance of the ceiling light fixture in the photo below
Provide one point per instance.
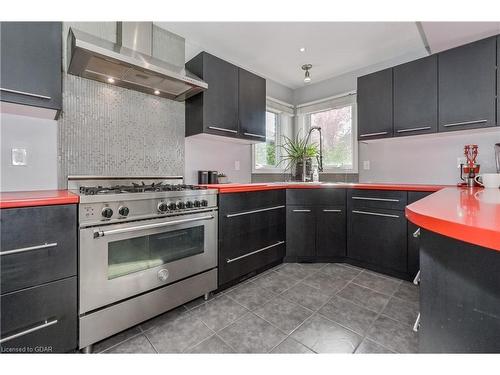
(302, 49)
(111, 80)
(157, 92)
(307, 76)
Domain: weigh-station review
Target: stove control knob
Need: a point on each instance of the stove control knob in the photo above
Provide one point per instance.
(172, 206)
(197, 203)
(123, 211)
(163, 274)
(204, 203)
(181, 205)
(162, 207)
(189, 204)
(107, 212)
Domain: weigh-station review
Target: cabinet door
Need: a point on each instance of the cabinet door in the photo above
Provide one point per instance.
(415, 97)
(413, 236)
(467, 86)
(220, 101)
(300, 232)
(252, 105)
(378, 237)
(498, 81)
(31, 63)
(331, 231)
(375, 105)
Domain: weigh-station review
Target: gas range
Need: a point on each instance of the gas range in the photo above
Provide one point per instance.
(108, 200)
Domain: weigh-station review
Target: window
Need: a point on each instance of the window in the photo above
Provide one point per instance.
(266, 153)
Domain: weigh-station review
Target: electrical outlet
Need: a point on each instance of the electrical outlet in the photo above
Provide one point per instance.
(460, 160)
(366, 165)
(236, 165)
(19, 157)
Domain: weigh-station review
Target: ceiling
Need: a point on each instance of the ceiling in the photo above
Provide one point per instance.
(271, 49)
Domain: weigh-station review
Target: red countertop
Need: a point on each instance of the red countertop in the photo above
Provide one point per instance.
(469, 215)
(16, 199)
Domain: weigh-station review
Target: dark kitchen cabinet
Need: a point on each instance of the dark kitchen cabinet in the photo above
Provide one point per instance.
(330, 232)
(415, 97)
(467, 86)
(413, 234)
(300, 232)
(374, 96)
(31, 64)
(252, 105)
(498, 80)
(214, 111)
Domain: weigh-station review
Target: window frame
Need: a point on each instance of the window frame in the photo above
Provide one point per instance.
(279, 133)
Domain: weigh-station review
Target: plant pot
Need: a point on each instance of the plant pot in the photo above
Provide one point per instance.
(297, 176)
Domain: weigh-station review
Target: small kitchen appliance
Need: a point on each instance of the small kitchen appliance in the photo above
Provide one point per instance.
(470, 169)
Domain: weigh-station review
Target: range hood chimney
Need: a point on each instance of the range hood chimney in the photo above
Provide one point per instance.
(129, 62)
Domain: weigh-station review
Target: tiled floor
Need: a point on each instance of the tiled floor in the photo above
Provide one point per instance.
(292, 308)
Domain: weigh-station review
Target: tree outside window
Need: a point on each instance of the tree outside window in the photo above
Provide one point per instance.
(266, 155)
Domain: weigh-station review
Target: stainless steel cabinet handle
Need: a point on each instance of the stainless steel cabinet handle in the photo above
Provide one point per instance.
(255, 211)
(46, 324)
(31, 248)
(222, 129)
(255, 252)
(25, 93)
(254, 135)
(416, 234)
(413, 129)
(464, 123)
(374, 213)
(301, 210)
(102, 233)
(416, 280)
(375, 199)
(332, 210)
(373, 134)
(416, 326)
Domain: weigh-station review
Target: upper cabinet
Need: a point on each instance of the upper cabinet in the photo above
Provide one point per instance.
(467, 86)
(375, 105)
(416, 97)
(234, 105)
(31, 64)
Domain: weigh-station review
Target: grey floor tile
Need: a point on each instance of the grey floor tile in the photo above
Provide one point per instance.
(275, 282)
(313, 266)
(295, 271)
(251, 334)
(136, 345)
(178, 335)
(335, 269)
(401, 310)
(283, 314)
(200, 301)
(307, 296)
(348, 314)
(164, 318)
(364, 297)
(250, 295)
(290, 346)
(408, 292)
(379, 283)
(212, 345)
(325, 283)
(394, 335)
(370, 347)
(219, 312)
(116, 339)
(325, 336)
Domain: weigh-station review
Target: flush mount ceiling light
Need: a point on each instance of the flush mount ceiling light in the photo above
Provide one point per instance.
(111, 80)
(307, 76)
(302, 49)
(157, 92)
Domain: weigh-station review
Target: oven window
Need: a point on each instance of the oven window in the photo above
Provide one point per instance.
(140, 253)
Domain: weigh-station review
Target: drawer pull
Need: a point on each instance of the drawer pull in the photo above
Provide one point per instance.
(416, 326)
(416, 280)
(301, 210)
(255, 211)
(416, 234)
(374, 214)
(373, 134)
(375, 199)
(31, 248)
(25, 93)
(46, 324)
(254, 252)
(222, 129)
(464, 123)
(254, 135)
(413, 129)
(332, 210)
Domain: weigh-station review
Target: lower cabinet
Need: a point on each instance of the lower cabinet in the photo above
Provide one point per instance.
(300, 232)
(414, 236)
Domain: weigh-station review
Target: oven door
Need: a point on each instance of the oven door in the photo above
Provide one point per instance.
(122, 260)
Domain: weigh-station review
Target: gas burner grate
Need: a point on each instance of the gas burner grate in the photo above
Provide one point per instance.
(137, 188)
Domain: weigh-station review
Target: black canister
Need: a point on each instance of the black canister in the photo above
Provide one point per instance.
(212, 177)
(202, 177)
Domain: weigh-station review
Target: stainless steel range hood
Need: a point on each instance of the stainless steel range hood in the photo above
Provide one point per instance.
(129, 62)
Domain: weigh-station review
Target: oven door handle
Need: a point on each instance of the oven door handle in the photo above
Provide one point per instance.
(102, 233)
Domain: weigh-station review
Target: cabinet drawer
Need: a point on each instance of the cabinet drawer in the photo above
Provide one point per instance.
(43, 318)
(38, 245)
(239, 203)
(386, 199)
(324, 197)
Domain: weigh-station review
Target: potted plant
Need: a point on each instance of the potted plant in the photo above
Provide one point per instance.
(295, 151)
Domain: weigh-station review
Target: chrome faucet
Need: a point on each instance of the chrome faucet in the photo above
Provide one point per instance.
(320, 159)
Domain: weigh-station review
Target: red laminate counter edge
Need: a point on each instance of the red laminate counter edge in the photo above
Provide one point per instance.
(18, 199)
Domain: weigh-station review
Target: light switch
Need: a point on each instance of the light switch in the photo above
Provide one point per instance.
(19, 156)
(366, 165)
(236, 165)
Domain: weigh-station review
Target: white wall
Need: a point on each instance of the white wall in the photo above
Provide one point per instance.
(425, 159)
(39, 138)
